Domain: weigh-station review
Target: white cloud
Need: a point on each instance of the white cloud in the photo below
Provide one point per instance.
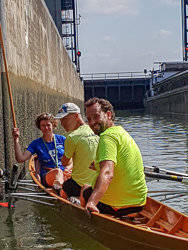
(109, 7)
(172, 2)
(162, 33)
(106, 38)
(104, 55)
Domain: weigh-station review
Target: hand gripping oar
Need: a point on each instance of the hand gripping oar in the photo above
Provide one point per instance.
(8, 82)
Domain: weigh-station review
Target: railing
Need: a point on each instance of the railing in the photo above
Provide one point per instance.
(116, 75)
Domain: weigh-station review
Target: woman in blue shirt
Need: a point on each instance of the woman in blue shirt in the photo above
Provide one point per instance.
(49, 149)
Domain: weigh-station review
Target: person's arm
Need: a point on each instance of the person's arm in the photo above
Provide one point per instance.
(68, 164)
(65, 161)
(19, 155)
(101, 185)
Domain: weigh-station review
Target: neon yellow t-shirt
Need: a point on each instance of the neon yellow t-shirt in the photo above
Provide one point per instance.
(128, 186)
(81, 146)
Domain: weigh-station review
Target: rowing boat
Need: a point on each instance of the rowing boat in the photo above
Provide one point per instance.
(157, 226)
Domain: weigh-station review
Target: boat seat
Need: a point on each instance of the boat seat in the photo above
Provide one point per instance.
(159, 222)
(146, 214)
(154, 219)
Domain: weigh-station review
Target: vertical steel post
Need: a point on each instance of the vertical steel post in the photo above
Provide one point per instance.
(74, 28)
(184, 4)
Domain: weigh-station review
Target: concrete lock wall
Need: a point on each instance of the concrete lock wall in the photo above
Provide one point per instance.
(41, 73)
(174, 101)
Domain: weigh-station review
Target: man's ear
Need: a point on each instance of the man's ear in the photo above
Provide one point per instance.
(109, 114)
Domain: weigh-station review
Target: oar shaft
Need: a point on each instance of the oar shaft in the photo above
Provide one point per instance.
(167, 177)
(164, 171)
(18, 195)
(37, 201)
(174, 197)
(166, 191)
(167, 194)
(164, 177)
(8, 82)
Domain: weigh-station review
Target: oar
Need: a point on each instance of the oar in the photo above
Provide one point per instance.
(174, 197)
(171, 193)
(166, 191)
(167, 177)
(37, 201)
(8, 82)
(163, 171)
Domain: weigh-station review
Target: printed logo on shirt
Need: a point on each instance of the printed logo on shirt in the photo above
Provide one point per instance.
(52, 153)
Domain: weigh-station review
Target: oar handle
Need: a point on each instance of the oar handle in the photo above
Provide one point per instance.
(8, 82)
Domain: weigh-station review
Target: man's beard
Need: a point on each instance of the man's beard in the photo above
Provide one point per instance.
(100, 130)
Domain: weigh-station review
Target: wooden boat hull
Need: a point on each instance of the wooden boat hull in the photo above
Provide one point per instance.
(157, 227)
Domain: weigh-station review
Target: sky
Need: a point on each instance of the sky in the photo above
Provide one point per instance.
(128, 35)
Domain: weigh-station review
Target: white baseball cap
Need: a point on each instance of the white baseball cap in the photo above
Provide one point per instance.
(67, 108)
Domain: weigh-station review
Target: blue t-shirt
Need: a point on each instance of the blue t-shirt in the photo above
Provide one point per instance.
(44, 155)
